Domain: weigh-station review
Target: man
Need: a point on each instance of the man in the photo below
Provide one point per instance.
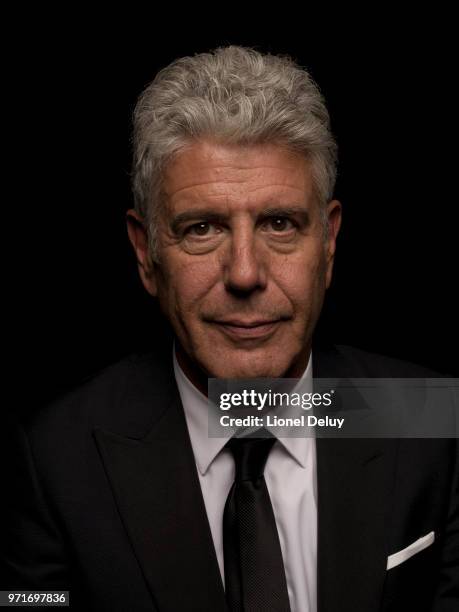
(123, 499)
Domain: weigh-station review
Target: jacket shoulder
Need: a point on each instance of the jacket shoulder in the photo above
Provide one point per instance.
(122, 397)
(352, 362)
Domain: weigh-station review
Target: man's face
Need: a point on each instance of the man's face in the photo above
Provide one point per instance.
(243, 263)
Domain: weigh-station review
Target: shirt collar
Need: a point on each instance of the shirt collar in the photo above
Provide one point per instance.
(196, 408)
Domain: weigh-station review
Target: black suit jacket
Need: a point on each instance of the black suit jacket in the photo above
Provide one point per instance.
(105, 502)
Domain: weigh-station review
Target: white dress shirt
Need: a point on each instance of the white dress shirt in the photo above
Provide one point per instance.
(290, 475)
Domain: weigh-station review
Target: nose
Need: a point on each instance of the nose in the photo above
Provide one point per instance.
(245, 269)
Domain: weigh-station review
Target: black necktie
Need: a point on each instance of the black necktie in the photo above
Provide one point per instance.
(254, 570)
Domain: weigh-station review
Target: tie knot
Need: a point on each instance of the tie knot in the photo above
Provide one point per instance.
(250, 456)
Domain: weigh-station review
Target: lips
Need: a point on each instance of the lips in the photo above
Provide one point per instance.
(250, 329)
(247, 324)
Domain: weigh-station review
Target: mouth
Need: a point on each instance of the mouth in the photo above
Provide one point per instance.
(240, 329)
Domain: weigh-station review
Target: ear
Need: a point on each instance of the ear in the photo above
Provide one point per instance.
(139, 240)
(334, 223)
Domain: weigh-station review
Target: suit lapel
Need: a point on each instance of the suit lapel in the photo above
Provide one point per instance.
(157, 491)
(355, 483)
(355, 488)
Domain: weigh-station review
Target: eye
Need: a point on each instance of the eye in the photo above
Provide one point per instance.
(203, 228)
(279, 224)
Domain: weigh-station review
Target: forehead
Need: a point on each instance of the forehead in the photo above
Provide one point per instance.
(237, 175)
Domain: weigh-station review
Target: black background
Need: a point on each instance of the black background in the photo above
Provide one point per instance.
(390, 87)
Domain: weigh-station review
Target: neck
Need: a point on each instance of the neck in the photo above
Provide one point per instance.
(192, 371)
(199, 378)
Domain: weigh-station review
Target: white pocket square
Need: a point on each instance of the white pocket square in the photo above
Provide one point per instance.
(409, 551)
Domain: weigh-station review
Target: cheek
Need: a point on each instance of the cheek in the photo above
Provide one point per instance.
(184, 284)
(302, 279)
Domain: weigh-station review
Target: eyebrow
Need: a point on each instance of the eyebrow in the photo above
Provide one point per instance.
(217, 216)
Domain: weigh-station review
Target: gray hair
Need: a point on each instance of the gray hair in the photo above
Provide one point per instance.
(236, 95)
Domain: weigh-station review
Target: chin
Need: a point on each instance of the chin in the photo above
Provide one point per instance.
(249, 367)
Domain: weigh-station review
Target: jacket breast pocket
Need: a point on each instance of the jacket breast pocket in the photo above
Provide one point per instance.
(412, 576)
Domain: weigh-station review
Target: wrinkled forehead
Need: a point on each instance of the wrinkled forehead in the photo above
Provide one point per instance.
(234, 176)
